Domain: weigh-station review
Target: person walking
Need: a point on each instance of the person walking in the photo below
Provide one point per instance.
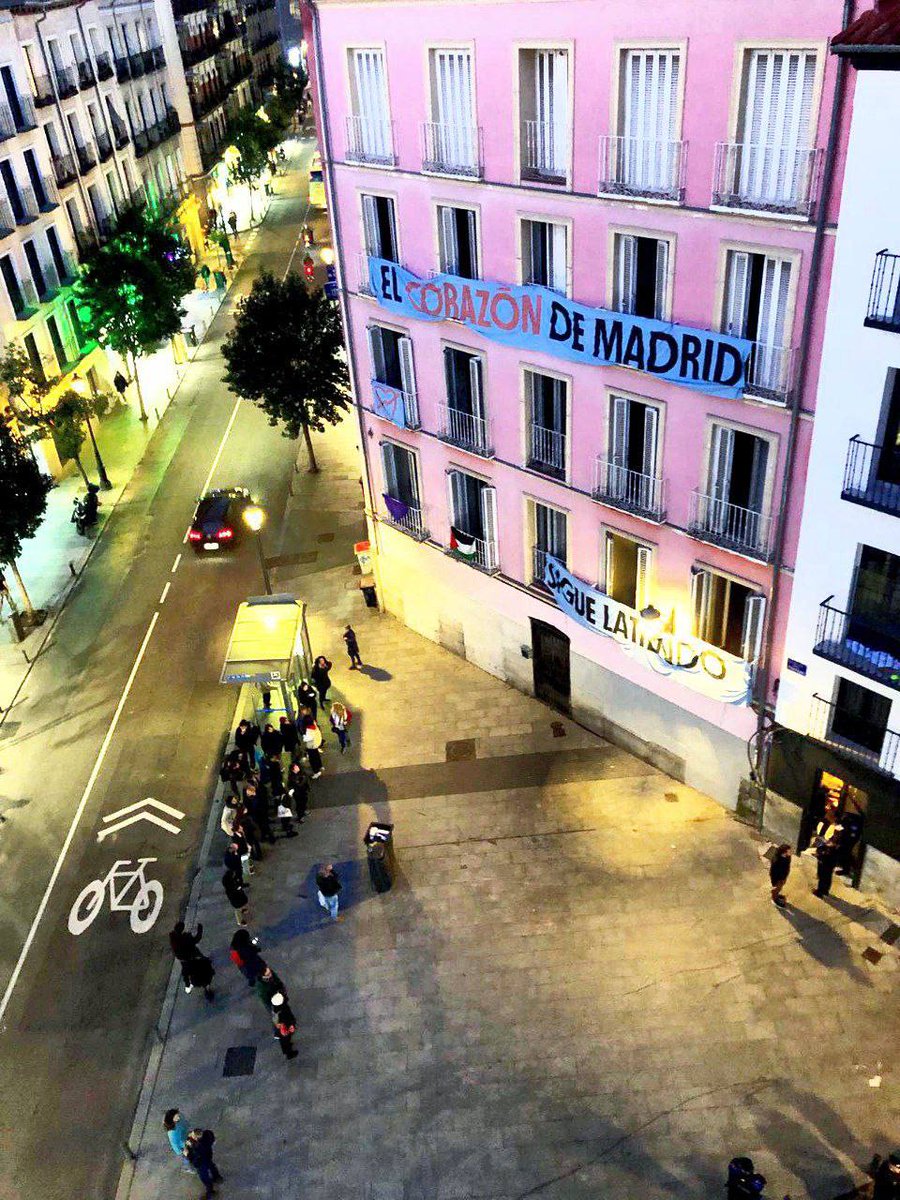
(245, 955)
(198, 972)
(312, 744)
(268, 984)
(329, 889)
(340, 722)
(779, 869)
(887, 1178)
(321, 679)
(826, 860)
(352, 645)
(184, 944)
(289, 735)
(177, 1130)
(198, 1150)
(272, 742)
(285, 1025)
(237, 897)
(297, 790)
(306, 698)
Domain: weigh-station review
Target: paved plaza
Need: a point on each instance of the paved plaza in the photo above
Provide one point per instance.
(577, 988)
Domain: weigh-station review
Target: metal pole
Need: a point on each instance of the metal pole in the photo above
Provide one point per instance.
(262, 562)
(101, 469)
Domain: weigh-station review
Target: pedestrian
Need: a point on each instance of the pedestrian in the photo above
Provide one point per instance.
(312, 742)
(779, 869)
(887, 1178)
(329, 889)
(297, 790)
(285, 1025)
(247, 829)
(229, 815)
(235, 767)
(177, 1129)
(321, 679)
(352, 647)
(268, 984)
(286, 817)
(184, 944)
(198, 972)
(257, 804)
(271, 741)
(271, 774)
(198, 1150)
(246, 736)
(233, 859)
(289, 736)
(120, 383)
(306, 698)
(237, 897)
(340, 721)
(245, 955)
(827, 851)
(232, 223)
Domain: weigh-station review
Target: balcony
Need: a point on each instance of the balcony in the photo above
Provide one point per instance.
(66, 268)
(631, 491)
(106, 226)
(19, 119)
(7, 220)
(166, 127)
(370, 140)
(632, 166)
(104, 146)
(547, 451)
(153, 59)
(7, 124)
(770, 372)
(24, 208)
(43, 91)
(385, 396)
(466, 431)
(64, 169)
(123, 70)
(775, 179)
(485, 555)
(26, 303)
(45, 194)
(66, 82)
(86, 241)
(85, 74)
(452, 149)
(120, 132)
(854, 736)
(191, 56)
(859, 641)
(87, 160)
(412, 522)
(743, 530)
(104, 66)
(884, 293)
(539, 557)
(142, 143)
(872, 476)
(543, 160)
(182, 8)
(50, 282)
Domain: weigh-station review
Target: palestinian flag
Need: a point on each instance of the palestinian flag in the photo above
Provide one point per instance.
(462, 543)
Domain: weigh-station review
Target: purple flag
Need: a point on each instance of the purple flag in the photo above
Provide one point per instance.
(396, 508)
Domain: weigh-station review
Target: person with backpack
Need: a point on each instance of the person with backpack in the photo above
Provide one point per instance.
(340, 723)
(198, 1150)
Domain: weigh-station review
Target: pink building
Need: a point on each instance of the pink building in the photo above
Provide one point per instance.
(576, 242)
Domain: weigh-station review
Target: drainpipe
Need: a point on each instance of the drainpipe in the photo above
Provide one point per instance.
(809, 309)
(339, 260)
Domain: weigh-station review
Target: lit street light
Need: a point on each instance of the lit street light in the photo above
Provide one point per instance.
(254, 519)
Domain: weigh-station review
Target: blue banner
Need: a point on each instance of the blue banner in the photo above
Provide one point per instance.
(535, 318)
(698, 665)
(387, 402)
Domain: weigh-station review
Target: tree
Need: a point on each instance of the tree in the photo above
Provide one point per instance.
(130, 289)
(23, 500)
(285, 352)
(287, 97)
(254, 137)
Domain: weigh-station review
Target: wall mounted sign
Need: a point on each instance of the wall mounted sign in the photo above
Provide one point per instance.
(535, 318)
(696, 664)
(387, 402)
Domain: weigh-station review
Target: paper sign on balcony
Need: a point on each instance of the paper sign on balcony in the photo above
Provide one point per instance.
(696, 664)
(535, 318)
(387, 402)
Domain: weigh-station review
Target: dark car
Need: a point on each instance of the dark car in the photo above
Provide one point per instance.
(218, 520)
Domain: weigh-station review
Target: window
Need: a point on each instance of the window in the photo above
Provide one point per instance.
(649, 150)
(640, 278)
(628, 567)
(369, 127)
(546, 397)
(34, 357)
(12, 190)
(732, 510)
(874, 618)
(544, 110)
(727, 614)
(628, 475)
(860, 716)
(36, 269)
(380, 227)
(458, 241)
(464, 421)
(550, 531)
(392, 365)
(473, 519)
(52, 136)
(545, 255)
(756, 301)
(37, 180)
(451, 138)
(13, 286)
(115, 190)
(58, 346)
(401, 482)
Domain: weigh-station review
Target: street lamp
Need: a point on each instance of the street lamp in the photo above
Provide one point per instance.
(254, 519)
(327, 256)
(80, 387)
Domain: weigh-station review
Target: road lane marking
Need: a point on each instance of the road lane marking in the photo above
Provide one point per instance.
(79, 812)
(287, 269)
(132, 813)
(144, 906)
(215, 461)
(165, 592)
(175, 564)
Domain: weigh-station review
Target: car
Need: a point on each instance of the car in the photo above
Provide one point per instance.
(317, 183)
(218, 519)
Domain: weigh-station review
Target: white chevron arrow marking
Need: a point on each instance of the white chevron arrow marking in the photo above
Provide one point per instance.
(133, 813)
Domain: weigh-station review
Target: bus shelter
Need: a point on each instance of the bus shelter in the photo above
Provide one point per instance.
(269, 647)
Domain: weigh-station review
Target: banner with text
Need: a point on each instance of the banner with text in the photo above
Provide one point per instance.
(535, 318)
(696, 664)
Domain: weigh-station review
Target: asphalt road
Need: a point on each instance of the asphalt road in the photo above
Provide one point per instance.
(79, 1021)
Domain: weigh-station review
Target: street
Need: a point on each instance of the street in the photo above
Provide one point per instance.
(124, 704)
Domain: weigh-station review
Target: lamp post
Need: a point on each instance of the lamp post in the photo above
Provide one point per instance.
(254, 519)
(80, 387)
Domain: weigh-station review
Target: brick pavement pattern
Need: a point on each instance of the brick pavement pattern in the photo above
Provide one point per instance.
(577, 988)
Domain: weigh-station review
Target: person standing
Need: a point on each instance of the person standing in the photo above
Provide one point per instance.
(340, 721)
(198, 1150)
(779, 869)
(289, 735)
(286, 818)
(272, 742)
(246, 736)
(826, 860)
(268, 984)
(237, 897)
(198, 972)
(297, 790)
(306, 698)
(352, 645)
(257, 804)
(321, 679)
(244, 953)
(285, 1025)
(312, 742)
(177, 1130)
(329, 889)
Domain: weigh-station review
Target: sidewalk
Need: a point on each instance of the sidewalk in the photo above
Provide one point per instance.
(578, 986)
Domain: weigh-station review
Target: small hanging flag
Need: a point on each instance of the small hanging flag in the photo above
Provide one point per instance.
(462, 543)
(395, 507)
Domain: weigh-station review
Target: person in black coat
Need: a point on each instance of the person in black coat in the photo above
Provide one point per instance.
(185, 944)
(887, 1178)
(257, 804)
(271, 742)
(827, 853)
(198, 972)
(237, 897)
(349, 636)
(289, 735)
(306, 698)
(297, 790)
(320, 678)
(246, 957)
(779, 869)
(285, 1025)
(232, 860)
(246, 736)
(198, 1150)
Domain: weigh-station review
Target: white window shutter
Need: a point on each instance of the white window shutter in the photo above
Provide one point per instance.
(473, 243)
(721, 456)
(700, 588)
(559, 123)
(558, 258)
(370, 226)
(618, 439)
(455, 502)
(489, 524)
(449, 247)
(625, 272)
(376, 350)
(643, 582)
(408, 379)
(390, 469)
(414, 477)
(608, 563)
(751, 634)
(651, 431)
(737, 286)
(662, 279)
(475, 383)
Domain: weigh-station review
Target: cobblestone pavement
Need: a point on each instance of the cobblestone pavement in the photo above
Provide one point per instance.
(577, 988)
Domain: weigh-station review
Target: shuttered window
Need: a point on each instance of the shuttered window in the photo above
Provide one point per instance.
(649, 123)
(453, 107)
(775, 129)
(371, 108)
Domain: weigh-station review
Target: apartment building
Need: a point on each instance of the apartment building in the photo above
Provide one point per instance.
(575, 266)
(838, 745)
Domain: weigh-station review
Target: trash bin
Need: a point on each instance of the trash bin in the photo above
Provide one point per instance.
(367, 587)
(379, 842)
(363, 552)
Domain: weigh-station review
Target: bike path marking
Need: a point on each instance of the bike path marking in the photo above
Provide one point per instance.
(79, 812)
(137, 812)
(144, 907)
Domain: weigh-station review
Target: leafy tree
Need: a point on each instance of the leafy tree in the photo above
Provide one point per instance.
(254, 137)
(130, 289)
(285, 352)
(23, 500)
(288, 92)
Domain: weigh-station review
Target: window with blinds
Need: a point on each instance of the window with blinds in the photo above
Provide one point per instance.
(457, 241)
(451, 136)
(649, 120)
(544, 108)
(757, 287)
(640, 276)
(545, 255)
(370, 124)
(775, 127)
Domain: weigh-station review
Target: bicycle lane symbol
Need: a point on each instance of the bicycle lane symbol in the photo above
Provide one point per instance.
(129, 891)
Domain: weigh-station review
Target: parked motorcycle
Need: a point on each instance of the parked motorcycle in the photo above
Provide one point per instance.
(84, 512)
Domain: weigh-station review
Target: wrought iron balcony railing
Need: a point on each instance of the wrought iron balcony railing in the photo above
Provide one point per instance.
(884, 293)
(856, 737)
(411, 522)
(632, 166)
(547, 451)
(872, 476)
(452, 149)
(766, 178)
(544, 157)
(370, 140)
(744, 530)
(465, 430)
(862, 641)
(630, 491)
